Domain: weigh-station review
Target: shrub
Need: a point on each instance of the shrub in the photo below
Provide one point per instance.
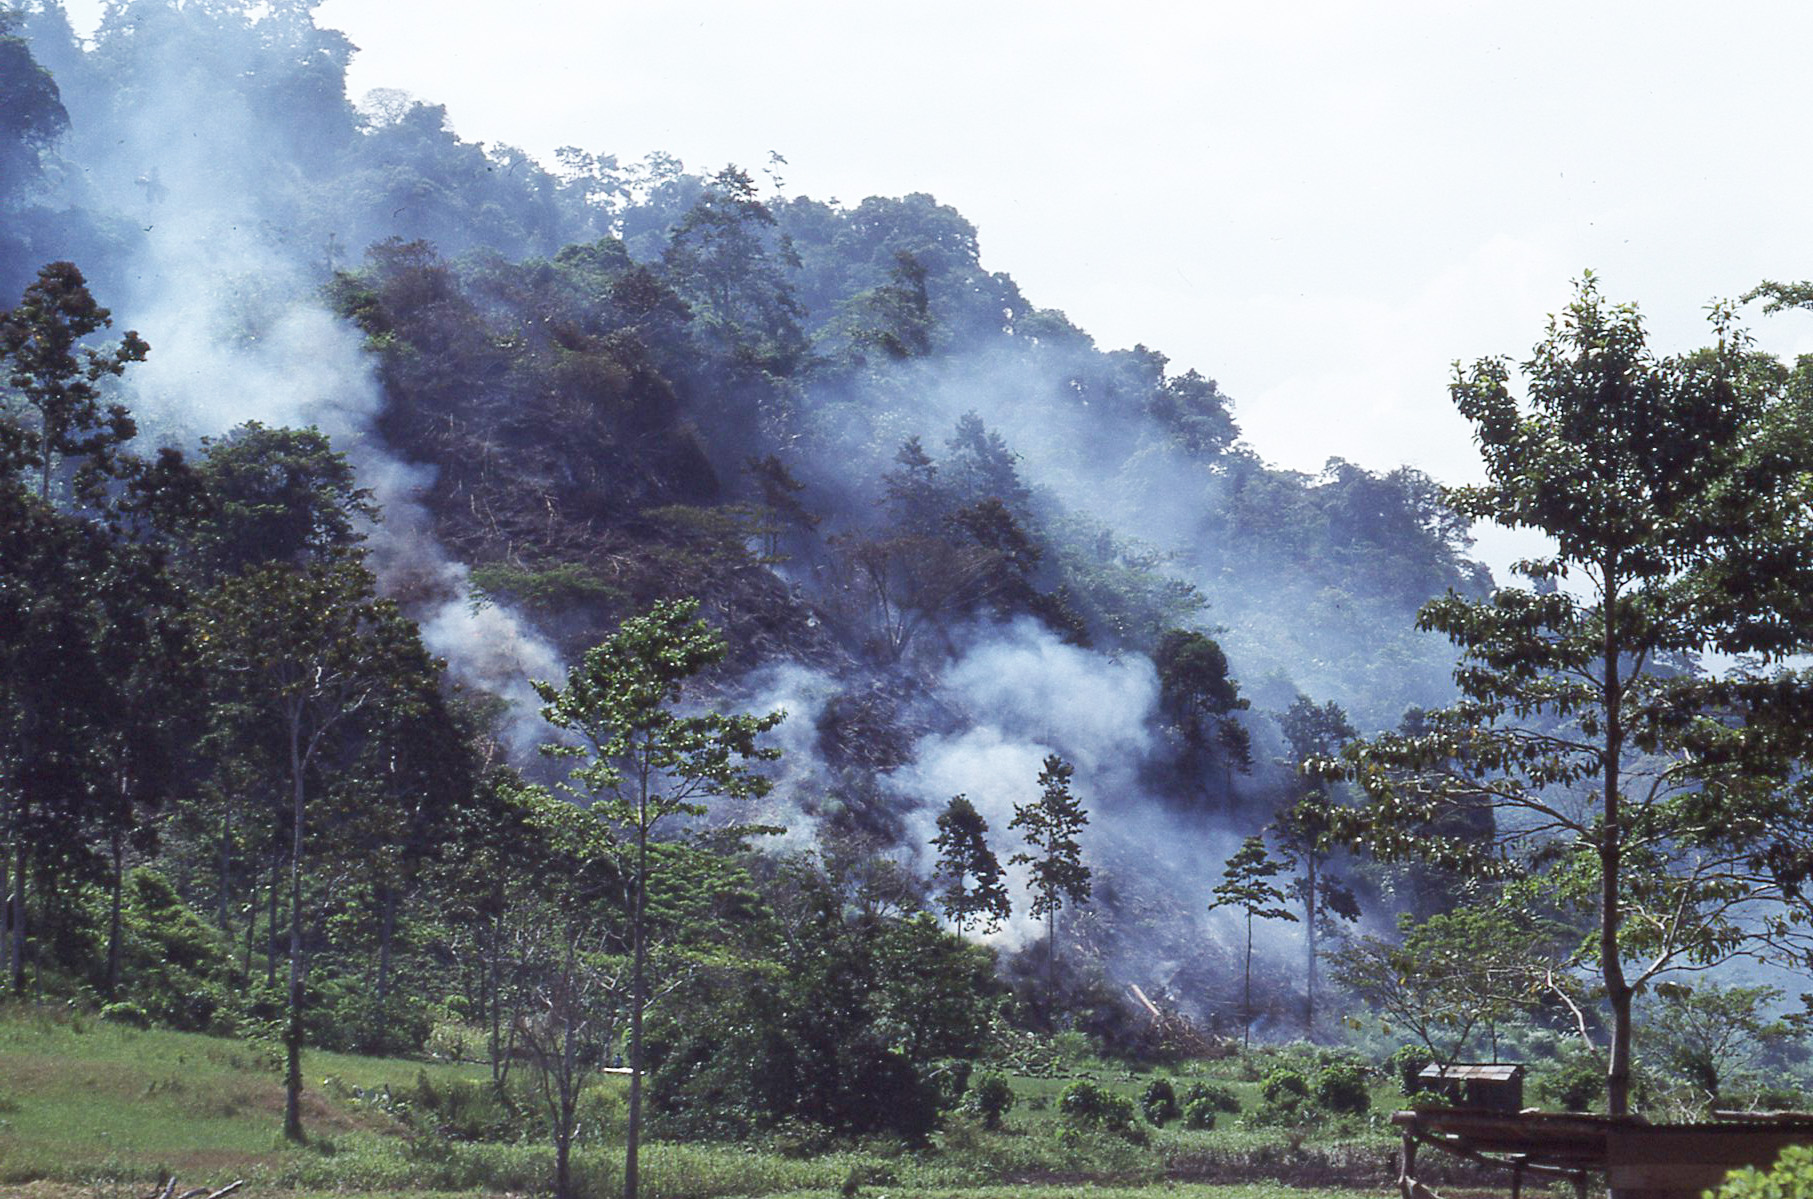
(1084, 1102)
(1159, 1103)
(1574, 1082)
(1072, 1047)
(1790, 1178)
(1218, 1097)
(1341, 1087)
(600, 1116)
(176, 967)
(1286, 1096)
(991, 1098)
(1405, 1065)
(1199, 1114)
(460, 1109)
(1284, 1086)
(1774, 1099)
(126, 1013)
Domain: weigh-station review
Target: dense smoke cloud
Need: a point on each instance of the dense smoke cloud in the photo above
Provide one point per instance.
(230, 249)
(239, 333)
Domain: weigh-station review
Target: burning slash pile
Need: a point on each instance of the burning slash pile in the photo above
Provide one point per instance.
(1172, 1034)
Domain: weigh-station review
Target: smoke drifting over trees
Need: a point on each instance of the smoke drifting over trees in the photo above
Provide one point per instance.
(937, 523)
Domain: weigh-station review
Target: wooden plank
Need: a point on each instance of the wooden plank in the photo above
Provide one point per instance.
(1701, 1146)
(1673, 1175)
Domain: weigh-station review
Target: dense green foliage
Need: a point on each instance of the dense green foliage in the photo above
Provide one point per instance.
(1674, 492)
(1790, 1177)
(712, 443)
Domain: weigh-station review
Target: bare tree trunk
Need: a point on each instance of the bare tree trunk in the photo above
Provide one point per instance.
(1246, 998)
(251, 920)
(1617, 990)
(386, 929)
(270, 922)
(226, 862)
(491, 963)
(16, 951)
(1309, 926)
(113, 919)
(292, 1099)
(638, 998)
(568, 1097)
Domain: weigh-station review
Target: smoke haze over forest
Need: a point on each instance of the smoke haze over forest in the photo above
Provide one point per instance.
(944, 527)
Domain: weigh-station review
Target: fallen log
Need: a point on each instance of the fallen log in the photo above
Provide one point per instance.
(169, 1191)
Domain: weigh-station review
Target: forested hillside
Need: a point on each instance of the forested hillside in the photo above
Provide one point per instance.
(935, 522)
(927, 672)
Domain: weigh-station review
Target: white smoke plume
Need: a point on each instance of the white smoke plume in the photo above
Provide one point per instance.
(237, 334)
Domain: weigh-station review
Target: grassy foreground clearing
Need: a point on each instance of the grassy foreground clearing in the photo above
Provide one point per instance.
(105, 1111)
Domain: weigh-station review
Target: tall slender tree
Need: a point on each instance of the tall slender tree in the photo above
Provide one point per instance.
(304, 650)
(642, 765)
(1313, 732)
(1674, 494)
(1050, 825)
(1246, 885)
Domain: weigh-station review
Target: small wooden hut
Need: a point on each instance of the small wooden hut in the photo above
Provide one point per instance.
(1476, 1086)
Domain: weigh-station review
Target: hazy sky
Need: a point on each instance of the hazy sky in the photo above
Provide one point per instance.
(1321, 205)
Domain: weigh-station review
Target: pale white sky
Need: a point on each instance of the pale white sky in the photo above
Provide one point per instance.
(1320, 204)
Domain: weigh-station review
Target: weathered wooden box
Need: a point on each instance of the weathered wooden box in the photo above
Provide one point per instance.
(1477, 1086)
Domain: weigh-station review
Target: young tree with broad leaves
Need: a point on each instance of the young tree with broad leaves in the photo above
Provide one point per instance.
(1634, 783)
(1246, 885)
(1050, 825)
(642, 765)
(571, 974)
(1453, 976)
(968, 875)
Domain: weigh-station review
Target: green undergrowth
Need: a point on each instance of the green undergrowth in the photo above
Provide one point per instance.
(104, 1109)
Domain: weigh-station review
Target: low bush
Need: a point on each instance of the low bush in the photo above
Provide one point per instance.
(1342, 1086)
(1285, 1097)
(130, 1014)
(1284, 1086)
(1790, 1178)
(465, 1110)
(1218, 1097)
(1574, 1082)
(1159, 1102)
(1405, 1065)
(990, 1098)
(1199, 1114)
(1088, 1104)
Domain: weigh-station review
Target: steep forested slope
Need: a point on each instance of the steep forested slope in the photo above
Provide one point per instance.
(936, 521)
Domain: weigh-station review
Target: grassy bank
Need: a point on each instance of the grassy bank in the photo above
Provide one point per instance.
(105, 1110)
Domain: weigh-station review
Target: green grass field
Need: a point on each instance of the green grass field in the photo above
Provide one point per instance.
(106, 1111)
